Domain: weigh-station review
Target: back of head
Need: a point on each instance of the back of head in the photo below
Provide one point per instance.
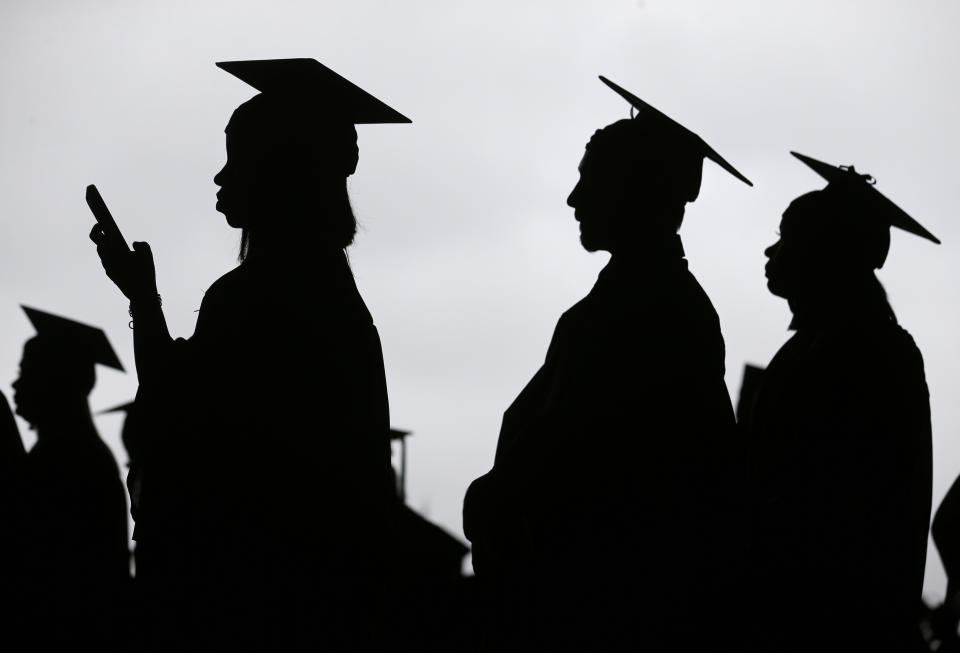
(289, 151)
(826, 257)
(290, 163)
(293, 134)
(836, 225)
(655, 163)
(57, 368)
(662, 165)
(52, 378)
(638, 176)
(857, 216)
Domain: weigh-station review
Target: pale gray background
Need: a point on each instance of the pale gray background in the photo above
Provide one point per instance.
(468, 253)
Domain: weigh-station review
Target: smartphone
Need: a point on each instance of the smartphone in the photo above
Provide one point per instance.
(104, 219)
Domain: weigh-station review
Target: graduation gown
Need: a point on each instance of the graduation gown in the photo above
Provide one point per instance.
(71, 527)
(266, 476)
(600, 525)
(841, 467)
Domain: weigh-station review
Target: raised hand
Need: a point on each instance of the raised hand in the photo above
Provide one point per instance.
(133, 272)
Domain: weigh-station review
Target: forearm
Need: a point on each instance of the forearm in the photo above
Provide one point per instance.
(151, 338)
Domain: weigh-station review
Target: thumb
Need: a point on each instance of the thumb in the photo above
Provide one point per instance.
(143, 252)
(142, 247)
(144, 258)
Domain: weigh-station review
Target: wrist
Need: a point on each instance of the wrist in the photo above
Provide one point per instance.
(142, 303)
(145, 298)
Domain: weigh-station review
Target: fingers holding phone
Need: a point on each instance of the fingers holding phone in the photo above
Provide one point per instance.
(133, 272)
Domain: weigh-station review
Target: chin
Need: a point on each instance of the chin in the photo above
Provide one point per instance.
(233, 220)
(588, 244)
(590, 241)
(775, 289)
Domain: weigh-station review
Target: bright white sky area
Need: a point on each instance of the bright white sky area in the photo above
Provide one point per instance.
(468, 253)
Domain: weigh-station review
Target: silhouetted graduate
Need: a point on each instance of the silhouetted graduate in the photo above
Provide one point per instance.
(599, 526)
(840, 434)
(71, 525)
(267, 489)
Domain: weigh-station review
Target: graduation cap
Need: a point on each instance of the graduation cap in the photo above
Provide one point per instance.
(80, 342)
(302, 104)
(673, 133)
(861, 189)
(308, 81)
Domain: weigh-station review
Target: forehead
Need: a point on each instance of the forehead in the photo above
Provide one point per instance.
(35, 355)
(29, 350)
(583, 160)
(600, 160)
(807, 209)
(42, 354)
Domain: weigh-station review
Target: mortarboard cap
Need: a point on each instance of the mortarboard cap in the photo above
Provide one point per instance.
(683, 136)
(310, 82)
(861, 187)
(83, 342)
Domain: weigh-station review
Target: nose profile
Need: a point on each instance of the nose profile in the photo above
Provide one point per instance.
(572, 197)
(770, 251)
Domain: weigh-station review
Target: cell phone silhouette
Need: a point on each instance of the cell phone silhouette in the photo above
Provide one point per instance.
(104, 219)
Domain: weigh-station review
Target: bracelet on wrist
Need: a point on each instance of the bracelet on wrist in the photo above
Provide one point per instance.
(140, 303)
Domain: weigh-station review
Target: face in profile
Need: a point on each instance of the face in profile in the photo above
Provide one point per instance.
(49, 379)
(598, 204)
(28, 389)
(269, 180)
(805, 257)
(244, 182)
(777, 270)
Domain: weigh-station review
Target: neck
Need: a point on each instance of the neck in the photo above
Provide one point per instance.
(841, 301)
(71, 420)
(657, 248)
(288, 249)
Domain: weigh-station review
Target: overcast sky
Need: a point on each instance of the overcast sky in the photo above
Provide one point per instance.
(468, 253)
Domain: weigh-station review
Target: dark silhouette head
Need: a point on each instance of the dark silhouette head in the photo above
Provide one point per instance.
(832, 240)
(57, 367)
(636, 177)
(290, 150)
(50, 376)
